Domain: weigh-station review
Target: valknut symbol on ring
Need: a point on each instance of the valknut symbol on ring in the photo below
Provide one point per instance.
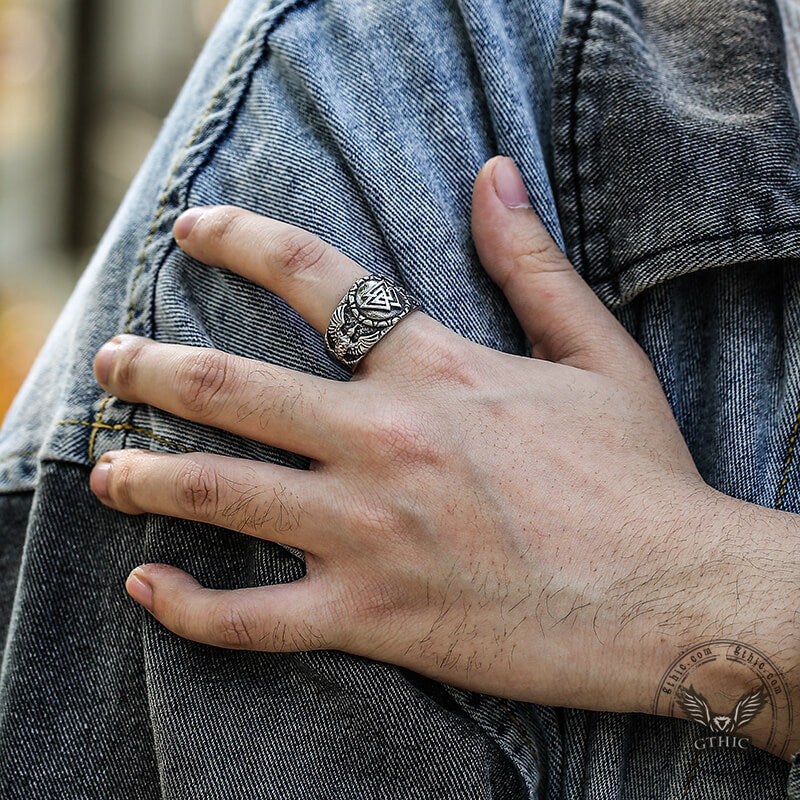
(369, 310)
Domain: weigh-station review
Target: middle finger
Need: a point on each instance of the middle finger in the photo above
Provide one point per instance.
(291, 410)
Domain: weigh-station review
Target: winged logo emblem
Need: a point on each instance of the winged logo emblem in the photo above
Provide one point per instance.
(697, 708)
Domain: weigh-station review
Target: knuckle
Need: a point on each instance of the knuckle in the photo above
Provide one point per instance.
(307, 636)
(394, 437)
(384, 524)
(453, 365)
(540, 254)
(234, 627)
(375, 604)
(201, 381)
(197, 490)
(176, 613)
(121, 486)
(371, 517)
(383, 598)
(219, 226)
(440, 357)
(124, 367)
(299, 252)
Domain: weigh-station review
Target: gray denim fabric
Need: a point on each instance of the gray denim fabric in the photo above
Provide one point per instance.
(660, 137)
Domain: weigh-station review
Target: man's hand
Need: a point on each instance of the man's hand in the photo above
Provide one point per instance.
(530, 528)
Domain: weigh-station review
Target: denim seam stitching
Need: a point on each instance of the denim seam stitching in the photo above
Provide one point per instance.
(151, 236)
(707, 238)
(573, 124)
(154, 227)
(690, 777)
(20, 454)
(96, 426)
(610, 276)
(788, 461)
(235, 61)
(120, 427)
(525, 737)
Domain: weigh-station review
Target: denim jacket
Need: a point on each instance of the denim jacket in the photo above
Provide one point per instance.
(660, 146)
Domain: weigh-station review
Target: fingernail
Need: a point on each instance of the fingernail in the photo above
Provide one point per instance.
(98, 479)
(508, 185)
(139, 588)
(186, 221)
(102, 361)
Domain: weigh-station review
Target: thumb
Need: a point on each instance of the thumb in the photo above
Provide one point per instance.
(562, 317)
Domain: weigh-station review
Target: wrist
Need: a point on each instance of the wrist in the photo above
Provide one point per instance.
(735, 667)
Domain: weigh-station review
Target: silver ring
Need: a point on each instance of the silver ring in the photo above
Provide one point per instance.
(369, 310)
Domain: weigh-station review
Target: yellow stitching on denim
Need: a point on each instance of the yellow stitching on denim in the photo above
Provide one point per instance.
(522, 733)
(788, 462)
(94, 432)
(124, 427)
(154, 227)
(690, 778)
(19, 455)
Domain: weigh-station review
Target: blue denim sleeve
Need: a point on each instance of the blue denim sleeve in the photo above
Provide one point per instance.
(366, 123)
(291, 112)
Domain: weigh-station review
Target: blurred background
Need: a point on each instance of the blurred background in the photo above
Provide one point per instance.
(84, 85)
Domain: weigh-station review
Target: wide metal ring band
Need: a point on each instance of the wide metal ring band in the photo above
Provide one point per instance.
(369, 310)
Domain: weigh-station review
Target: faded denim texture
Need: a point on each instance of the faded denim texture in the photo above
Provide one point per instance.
(660, 137)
